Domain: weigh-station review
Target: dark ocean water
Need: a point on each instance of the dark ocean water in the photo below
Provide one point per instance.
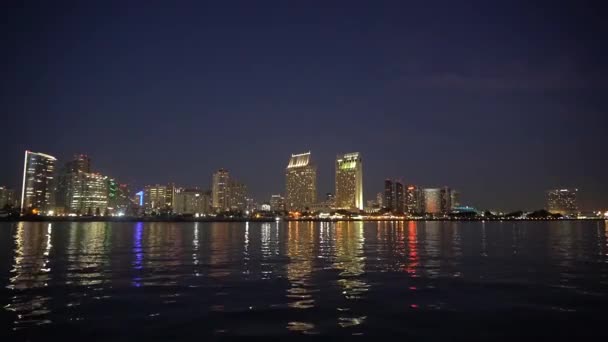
(427, 280)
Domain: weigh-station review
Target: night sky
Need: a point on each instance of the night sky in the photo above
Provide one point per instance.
(501, 100)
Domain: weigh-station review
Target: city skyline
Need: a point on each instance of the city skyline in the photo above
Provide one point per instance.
(424, 96)
(174, 170)
(368, 194)
(77, 189)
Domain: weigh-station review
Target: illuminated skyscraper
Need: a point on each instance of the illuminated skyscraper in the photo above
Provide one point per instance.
(192, 202)
(562, 201)
(379, 199)
(251, 204)
(138, 199)
(38, 183)
(220, 191)
(237, 195)
(170, 194)
(389, 195)
(277, 203)
(446, 199)
(88, 193)
(413, 200)
(455, 199)
(81, 162)
(119, 200)
(6, 197)
(432, 201)
(301, 182)
(155, 198)
(349, 181)
(399, 198)
(81, 191)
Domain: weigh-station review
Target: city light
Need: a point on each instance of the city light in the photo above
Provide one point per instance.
(81, 191)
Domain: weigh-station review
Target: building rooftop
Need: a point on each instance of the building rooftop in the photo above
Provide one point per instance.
(42, 154)
(299, 160)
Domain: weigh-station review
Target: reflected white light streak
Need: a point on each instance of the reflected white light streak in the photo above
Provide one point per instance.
(195, 247)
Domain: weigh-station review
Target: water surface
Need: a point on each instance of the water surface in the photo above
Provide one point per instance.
(433, 280)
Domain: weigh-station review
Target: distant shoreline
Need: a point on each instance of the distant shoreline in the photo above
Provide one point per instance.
(266, 220)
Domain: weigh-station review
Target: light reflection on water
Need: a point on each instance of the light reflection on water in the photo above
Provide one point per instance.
(296, 277)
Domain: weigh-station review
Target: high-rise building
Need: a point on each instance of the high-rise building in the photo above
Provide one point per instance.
(119, 199)
(399, 198)
(6, 197)
(432, 201)
(277, 203)
(138, 199)
(389, 195)
(349, 181)
(80, 163)
(192, 202)
(237, 195)
(251, 204)
(112, 192)
(37, 193)
(81, 191)
(170, 194)
(301, 182)
(455, 199)
(379, 199)
(562, 201)
(414, 200)
(88, 193)
(155, 198)
(446, 199)
(220, 191)
(63, 187)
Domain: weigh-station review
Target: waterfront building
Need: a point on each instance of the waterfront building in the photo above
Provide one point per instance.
(84, 192)
(455, 199)
(87, 193)
(414, 200)
(251, 204)
(37, 192)
(237, 196)
(349, 181)
(79, 163)
(170, 195)
(277, 203)
(399, 198)
(389, 195)
(119, 199)
(155, 198)
(322, 206)
(432, 201)
(446, 199)
(301, 182)
(330, 200)
(6, 197)
(138, 199)
(379, 199)
(192, 202)
(562, 201)
(371, 209)
(220, 191)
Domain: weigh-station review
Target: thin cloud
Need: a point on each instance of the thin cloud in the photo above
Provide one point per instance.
(561, 75)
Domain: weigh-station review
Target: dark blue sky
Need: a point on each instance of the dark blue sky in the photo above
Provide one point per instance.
(499, 99)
